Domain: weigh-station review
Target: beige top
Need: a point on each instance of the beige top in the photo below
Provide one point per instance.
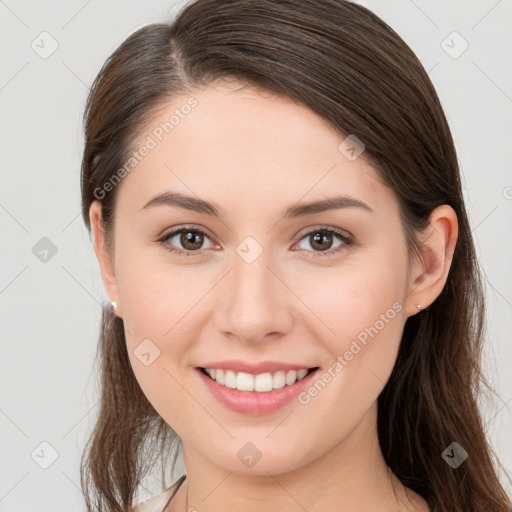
(159, 502)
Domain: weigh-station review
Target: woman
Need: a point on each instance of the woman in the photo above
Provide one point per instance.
(276, 207)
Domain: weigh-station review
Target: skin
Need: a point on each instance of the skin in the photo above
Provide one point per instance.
(254, 154)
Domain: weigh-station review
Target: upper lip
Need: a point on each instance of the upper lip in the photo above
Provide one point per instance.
(239, 365)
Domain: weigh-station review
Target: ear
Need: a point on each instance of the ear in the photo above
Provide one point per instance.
(428, 276)
(106, 264)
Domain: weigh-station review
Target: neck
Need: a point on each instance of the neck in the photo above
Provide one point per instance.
(350, 476)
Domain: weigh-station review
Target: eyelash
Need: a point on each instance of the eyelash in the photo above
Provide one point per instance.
(347, 241)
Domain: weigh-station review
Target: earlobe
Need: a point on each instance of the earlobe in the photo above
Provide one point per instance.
(431, 273)
(105, 262)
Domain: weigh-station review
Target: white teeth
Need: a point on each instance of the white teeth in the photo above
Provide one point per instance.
(219, 376)
(230, 379)
(291, 377)
(300, 374)
(244, 381)
(262, 382)
(279, 380)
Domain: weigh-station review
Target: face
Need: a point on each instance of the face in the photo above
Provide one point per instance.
(254, 278)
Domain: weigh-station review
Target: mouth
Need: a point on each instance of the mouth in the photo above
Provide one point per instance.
(257, 383)
(255, 394)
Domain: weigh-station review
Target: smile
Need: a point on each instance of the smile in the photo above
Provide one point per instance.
(261, 383)
(255, 394)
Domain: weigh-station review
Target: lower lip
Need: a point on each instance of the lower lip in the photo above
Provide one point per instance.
(254, 402)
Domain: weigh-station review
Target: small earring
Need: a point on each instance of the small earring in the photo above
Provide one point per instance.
(418, 306)
(114, 304)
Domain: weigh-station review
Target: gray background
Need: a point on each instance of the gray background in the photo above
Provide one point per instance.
(50, 303)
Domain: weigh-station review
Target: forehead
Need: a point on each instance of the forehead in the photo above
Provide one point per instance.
(246, 147)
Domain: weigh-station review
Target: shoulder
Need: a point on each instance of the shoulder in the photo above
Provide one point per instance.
(159, 502)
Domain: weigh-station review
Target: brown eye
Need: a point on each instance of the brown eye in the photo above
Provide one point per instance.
(322, 240)
(186, 241)
(191, 240)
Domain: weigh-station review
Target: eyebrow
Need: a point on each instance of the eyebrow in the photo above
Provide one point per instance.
(175, 199)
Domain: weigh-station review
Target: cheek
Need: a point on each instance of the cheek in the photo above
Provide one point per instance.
(158, 334)
(353, 296)
(155, 294)
(155, 300)
(163, 316)
(359, 320)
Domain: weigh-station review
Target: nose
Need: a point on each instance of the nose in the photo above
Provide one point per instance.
(256, 304)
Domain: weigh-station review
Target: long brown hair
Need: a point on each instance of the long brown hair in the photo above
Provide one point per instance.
(347, 65)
